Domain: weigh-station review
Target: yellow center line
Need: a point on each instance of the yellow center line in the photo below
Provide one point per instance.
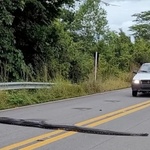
(90, 123)
(54, 139)
(31, 140)
(112, 113)
(120, 113)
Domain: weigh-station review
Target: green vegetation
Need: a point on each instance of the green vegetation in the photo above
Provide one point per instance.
(63, 89)
(41, 40)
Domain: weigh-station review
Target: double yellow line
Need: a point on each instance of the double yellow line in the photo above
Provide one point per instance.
(50, 137)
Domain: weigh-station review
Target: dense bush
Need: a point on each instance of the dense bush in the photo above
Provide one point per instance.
(60, 40)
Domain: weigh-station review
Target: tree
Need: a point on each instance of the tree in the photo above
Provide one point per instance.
(27, 34)
(31, 30)
(11, 59)
(116, 53)
(141, 53)
(90, 20)
(142, 27)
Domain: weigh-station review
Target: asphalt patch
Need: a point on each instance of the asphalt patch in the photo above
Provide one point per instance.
(82, 108)
(112, 101)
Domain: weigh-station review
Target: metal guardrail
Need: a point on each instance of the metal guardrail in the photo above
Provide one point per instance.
(24, 85)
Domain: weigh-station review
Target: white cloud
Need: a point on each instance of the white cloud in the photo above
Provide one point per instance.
(121, 16)
(124, 26)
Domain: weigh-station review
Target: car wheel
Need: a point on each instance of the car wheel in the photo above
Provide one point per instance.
(134, 93)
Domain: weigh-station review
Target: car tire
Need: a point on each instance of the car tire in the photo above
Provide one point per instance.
(134, 93)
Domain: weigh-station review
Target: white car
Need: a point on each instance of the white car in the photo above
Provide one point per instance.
(141, 81)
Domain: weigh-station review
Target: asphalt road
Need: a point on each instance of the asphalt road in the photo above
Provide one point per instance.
(115, 110)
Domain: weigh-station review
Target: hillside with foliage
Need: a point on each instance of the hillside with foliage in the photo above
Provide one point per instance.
(40, 40)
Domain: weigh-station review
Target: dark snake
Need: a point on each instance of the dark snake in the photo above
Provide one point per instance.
(43, 124)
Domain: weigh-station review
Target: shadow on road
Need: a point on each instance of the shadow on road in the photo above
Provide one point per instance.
(144, 95)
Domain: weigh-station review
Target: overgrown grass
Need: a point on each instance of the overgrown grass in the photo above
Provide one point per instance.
(111, 83)
(3, 100)
(63, 89)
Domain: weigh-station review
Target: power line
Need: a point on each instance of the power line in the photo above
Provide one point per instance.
(108, 4)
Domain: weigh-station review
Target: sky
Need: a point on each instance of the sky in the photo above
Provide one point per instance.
(120, 16)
